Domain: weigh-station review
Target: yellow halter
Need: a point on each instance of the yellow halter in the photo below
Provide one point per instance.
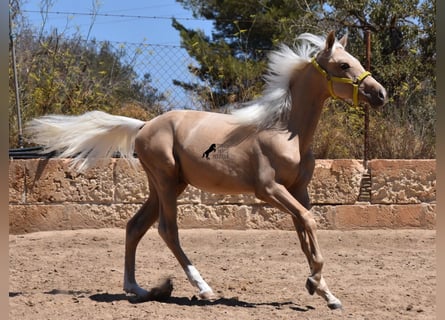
(355, 83)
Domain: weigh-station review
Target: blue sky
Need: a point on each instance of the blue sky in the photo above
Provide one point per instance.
(155, 30)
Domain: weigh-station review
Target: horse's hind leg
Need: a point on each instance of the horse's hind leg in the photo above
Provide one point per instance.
(168, 230)
(137, 226)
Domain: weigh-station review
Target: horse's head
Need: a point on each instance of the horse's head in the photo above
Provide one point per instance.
(346, 77)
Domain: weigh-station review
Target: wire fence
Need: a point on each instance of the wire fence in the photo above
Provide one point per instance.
(164, 63)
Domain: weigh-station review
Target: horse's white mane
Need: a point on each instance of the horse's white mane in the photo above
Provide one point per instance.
(273, 107)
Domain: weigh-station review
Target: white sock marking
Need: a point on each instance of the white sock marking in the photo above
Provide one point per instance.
(196, 279)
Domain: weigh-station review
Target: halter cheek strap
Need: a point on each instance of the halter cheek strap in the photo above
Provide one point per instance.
(355, 83)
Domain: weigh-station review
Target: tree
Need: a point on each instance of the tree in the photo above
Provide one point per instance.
(231, 63)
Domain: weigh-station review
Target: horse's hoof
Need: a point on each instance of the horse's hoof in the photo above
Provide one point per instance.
(137, 291)
(310, 286)
(208, 295)
(335, 306)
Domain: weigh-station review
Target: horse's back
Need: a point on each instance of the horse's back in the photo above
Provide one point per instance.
(183, 127)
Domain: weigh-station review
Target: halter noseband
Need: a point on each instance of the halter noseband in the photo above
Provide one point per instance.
(355, 83)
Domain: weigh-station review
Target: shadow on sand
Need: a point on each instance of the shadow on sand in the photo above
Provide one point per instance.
(194, 301)
(163, 292)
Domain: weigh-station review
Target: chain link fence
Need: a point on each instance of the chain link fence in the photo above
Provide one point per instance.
(164, 63)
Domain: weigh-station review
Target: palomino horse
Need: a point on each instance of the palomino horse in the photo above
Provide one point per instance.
(266, 144)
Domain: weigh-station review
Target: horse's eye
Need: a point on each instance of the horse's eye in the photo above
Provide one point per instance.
(344, 66)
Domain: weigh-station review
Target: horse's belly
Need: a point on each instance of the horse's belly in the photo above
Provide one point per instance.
(217, 173)
(220, 187)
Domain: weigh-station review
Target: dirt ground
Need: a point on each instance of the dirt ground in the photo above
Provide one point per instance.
(378, 274)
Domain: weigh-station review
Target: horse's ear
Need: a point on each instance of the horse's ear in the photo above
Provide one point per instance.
(344, 40)
(330, 40)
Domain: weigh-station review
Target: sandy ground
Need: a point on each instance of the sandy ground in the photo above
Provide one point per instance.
(379, 274)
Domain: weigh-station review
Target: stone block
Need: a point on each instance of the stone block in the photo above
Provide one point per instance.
(335, 181)
(190, 195)
(430, 216)
(413, 216)
(384, 216)
(17, 181)
(216, 199)
(213, 216)
(324, 216)
(53, 181)
(403, 181)
(130, 182)
(197, 216)
(233, 216)
(363, 216)
(33, 218)
(266, 217)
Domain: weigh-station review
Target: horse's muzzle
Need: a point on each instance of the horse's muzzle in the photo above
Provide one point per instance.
(377, 98)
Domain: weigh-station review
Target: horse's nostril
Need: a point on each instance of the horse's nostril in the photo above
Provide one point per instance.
(382, 94)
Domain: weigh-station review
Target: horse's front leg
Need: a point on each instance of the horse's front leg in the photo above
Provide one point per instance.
(277, 195)
(308, 241)
(315, 282)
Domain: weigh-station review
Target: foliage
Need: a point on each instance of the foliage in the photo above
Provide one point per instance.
(226, 77)
(231, 61)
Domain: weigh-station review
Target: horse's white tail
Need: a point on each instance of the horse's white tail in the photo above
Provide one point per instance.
(85, 138)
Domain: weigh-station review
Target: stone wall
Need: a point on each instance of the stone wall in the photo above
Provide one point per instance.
(48, 195)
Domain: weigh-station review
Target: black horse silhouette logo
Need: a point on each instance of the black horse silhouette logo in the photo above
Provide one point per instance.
(211, 149)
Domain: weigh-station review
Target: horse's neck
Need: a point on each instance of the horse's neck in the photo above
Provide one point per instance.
(308, 96)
